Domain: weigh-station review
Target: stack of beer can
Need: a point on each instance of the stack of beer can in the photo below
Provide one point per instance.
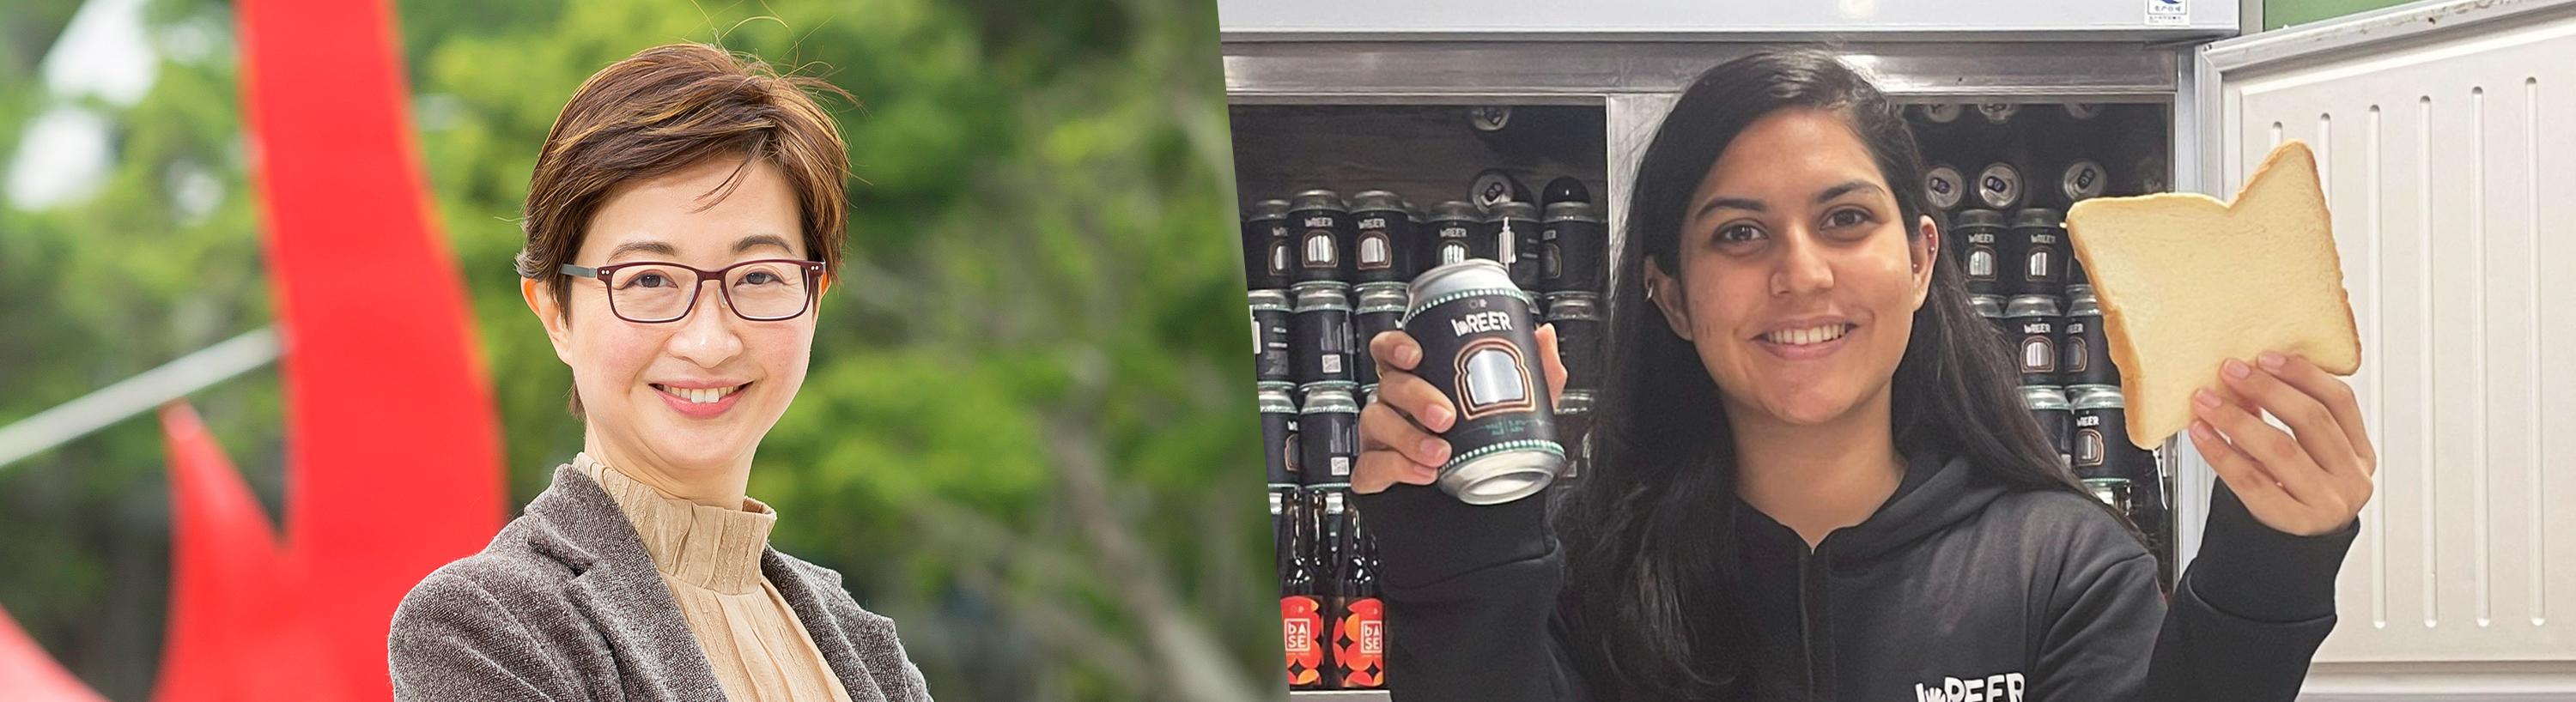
(2023, 277)
(1327, 274)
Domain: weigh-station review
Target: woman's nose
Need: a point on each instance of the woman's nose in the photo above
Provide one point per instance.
(1802, 267)
(706, 336)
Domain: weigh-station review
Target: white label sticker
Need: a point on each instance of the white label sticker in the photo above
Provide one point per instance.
(2168, 13)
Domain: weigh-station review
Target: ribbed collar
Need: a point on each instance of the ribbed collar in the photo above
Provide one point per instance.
(710, 547)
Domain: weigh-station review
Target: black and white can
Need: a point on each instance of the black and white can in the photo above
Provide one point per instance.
(2083, 179)
(2037, 242)
(1321, 224)
(2087, 363)
(1450, 235)
(1991, 309)
(1514, 229)
(1319, 332)
(2102, 448)
(1573, 248)
(2037, 330)
(1980, 250)
(1279, 436)
(1577, 316)
(1271, 313)
(1266, 258)
(1378, 308)
(2047, 403)
(1480, 348)
(1381, 229)
(1999, 186)
(1328, 434)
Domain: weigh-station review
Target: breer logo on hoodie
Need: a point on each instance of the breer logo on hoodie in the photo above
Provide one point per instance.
(2001, 687)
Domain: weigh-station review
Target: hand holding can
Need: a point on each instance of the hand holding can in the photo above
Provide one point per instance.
(1399, 432)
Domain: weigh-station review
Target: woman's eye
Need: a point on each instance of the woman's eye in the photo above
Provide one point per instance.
(1846, 218)
(760, 278)
(649, 280)
(1736, 233)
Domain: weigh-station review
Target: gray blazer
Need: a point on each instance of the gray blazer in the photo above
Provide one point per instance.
(565, 606)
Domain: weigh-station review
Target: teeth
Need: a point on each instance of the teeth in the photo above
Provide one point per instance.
(698, 395)
(1809, 335)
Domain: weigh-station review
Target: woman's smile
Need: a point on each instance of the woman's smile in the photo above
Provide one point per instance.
(700, 400)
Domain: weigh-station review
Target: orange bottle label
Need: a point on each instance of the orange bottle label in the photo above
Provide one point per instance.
(1359, 644)
(1302, 619)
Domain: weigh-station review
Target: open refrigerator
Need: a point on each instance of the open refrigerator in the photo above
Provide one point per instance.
(2445, 132)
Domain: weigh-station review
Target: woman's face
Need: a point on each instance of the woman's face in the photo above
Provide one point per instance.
(627, 372)
(1797, 282)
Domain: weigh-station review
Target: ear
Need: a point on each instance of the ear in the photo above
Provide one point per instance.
(1666, 292)
(542, 303)
(1925, 252)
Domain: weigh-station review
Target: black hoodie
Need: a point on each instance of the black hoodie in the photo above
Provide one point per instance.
(1958, 588)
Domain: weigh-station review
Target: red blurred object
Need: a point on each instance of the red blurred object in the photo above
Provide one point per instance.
(393, 450)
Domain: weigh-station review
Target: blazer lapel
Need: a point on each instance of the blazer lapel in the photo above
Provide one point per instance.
(657, 656)
(812, 602)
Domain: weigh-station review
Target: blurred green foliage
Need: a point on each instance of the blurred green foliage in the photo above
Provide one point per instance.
(1023, 436)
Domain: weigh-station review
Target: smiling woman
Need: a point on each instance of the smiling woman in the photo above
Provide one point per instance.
(644, 570)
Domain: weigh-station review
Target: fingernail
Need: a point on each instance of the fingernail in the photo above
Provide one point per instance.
(1437, 415)
(2271, 360)
(1435, 450)
(2236, 369)
(2200, 430)
(2204, 398)
(1410, 354)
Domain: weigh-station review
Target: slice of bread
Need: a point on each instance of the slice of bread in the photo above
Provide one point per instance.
(2187, 282)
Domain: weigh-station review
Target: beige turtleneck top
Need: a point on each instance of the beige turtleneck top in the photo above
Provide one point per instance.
(710, 558)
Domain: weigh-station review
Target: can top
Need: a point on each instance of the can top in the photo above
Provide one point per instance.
(1384, 297)
(1282, 386)
(1571, 211)
(2082, 303)
(1942, 112)
(1987, 305)
(1323, 295)
(1332, 400)
(1412, 212)
(1513, 209)
(1574, 304)
(1267, 209)
(2038, 218)
(2083, 180)
(1274, 401)
(1374, 200)
(2099, 397)
(1456, 210)
(2020, 306)
(1999, 185)
(2083, 110)
(1267, 299)
(1470, 274)
(1944, 186)
(2044, 397)
(1998, 112)
(1318, 199)
(1978, 219)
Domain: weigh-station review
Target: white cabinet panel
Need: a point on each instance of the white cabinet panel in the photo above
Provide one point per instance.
(2446, 134)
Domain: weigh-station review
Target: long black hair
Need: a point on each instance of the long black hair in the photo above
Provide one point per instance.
(1650, 610)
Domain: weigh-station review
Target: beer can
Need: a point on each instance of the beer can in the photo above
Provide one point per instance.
(1411, 264)
(1574, 430)
(1998, 112)
(2102, 447)
(2047, 403)
(2083, 111)
(1573, 248)
(1991, 309)
(1479, 349)
(1565, 189)
(1270, 318)
(1278, 436)
(1322, 226)
(1265, 245)
(1577, 316)
(1514, 229)
(1980, 234)
(2082, 180)
(1944, 187)
(2036, 327)
(1379, 309)
(1381, 228)
(1999, 186)
(1493, 187)
(1320, 332)
(1451, 235)
(2038, 240)
(1941, 112)
(1328, 439)
(2087, 362)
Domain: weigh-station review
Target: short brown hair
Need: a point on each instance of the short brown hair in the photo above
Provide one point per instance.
(667, 108)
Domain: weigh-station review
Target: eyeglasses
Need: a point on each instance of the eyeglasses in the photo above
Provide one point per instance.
(653, 292)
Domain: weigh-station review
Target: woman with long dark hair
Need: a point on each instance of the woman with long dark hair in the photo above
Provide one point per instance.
(1813, 477)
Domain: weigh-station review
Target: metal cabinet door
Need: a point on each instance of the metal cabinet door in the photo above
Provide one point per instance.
(2443, 132)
